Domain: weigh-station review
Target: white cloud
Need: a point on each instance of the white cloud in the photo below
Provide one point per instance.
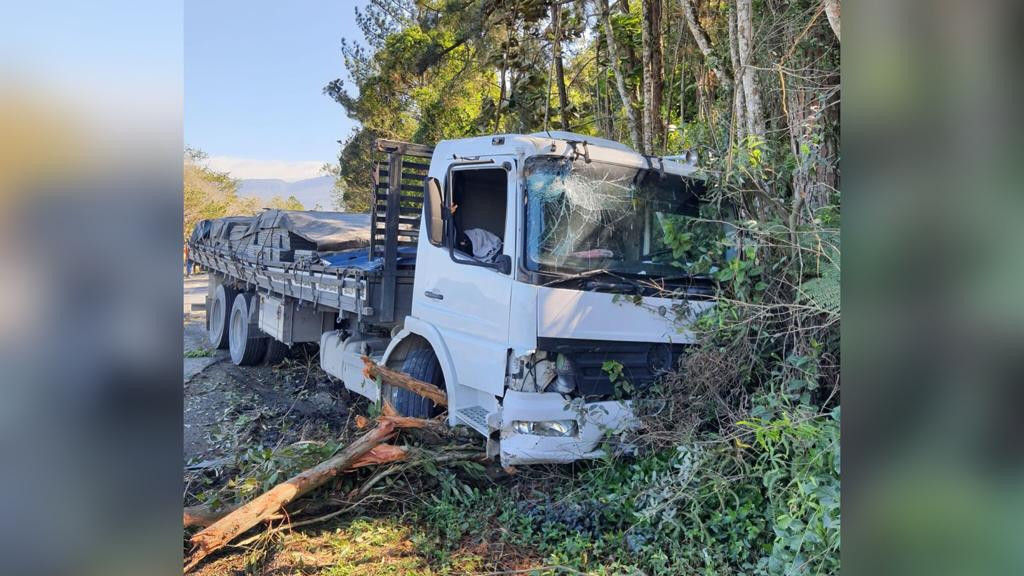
(243, 168)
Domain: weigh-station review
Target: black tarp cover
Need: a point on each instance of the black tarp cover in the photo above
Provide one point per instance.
(330, 231)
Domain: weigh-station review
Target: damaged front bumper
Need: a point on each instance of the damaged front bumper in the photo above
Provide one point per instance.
(548, 427)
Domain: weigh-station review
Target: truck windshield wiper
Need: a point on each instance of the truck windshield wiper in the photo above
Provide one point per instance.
(578, 276)
(627, 280)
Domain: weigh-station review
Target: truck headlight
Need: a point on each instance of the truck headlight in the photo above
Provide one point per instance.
(546, 427)
(566, 381)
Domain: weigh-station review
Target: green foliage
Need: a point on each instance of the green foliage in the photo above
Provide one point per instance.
(621, 386)
(766, 504)
(208, 193)
(200, 353)
(290, 203)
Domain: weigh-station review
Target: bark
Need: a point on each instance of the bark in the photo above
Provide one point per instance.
(738, 106)
(620, 81)
(510, 26)
(682, 94)
(556, 53)
(501, 91)
(204, 516)
(700, 36)
(372, 371)
(832, 12)
(653, 73)
(679, 63)
(270, 503)
(406, 422)
(751, 92)
(381, 453)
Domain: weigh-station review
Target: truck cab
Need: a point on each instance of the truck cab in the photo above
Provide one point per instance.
(538, 299)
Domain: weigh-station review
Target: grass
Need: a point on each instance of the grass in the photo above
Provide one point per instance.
(200, 353)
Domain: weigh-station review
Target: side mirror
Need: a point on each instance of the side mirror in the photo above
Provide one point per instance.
(432, 210)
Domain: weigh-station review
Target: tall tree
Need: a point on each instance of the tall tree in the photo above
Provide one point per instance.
(832, 13)
(620, 81)
(653, 73)
(700, 37)
(748, 71)
(556, 54)
(739, 108)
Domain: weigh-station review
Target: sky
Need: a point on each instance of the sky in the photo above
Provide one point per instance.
(116, 64)
(254, 75)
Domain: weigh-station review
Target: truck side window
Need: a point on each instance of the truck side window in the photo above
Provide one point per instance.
(478, 211)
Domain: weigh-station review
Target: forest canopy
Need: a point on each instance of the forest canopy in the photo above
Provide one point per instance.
(752, 86)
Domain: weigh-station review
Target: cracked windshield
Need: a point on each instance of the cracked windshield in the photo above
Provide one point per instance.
(593, 216)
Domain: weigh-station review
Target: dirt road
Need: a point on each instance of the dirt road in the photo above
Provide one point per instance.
(294, 400)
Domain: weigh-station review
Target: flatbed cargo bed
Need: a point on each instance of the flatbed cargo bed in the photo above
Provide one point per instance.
(355, 288)
(301, 255)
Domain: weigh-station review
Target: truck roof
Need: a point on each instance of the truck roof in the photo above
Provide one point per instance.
(557, 142)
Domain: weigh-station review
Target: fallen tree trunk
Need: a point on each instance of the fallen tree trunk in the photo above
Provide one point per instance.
(269, 503)
(204, 516)
(380, 454)
(372, 371)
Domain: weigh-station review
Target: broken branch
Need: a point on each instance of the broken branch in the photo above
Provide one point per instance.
(269, 503)
(380, 454)
(204, 515)
(419, 423)
(372, 371)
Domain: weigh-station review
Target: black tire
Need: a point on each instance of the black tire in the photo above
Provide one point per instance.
(422, 365)
(219, 315)
(276, 351)
(246, 343)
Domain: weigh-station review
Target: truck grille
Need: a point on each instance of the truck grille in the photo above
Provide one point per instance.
(642, 362)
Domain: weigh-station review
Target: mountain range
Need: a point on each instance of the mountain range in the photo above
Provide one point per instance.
(313, 193)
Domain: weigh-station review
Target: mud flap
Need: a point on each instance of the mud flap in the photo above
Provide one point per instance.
(343, 359)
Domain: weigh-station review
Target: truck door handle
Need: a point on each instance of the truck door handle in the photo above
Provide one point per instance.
(434, 295)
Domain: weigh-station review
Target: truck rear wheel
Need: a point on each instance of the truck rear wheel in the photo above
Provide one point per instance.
(218, 316)
(247, 344)
(422, 365)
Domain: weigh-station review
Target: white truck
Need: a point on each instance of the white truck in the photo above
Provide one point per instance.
(523, 274)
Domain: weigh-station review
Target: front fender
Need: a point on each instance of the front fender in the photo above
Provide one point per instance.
(415, 327)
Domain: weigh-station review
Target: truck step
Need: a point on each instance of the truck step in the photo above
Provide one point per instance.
(475, 417)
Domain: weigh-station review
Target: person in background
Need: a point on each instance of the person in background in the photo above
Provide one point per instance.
(188, 262)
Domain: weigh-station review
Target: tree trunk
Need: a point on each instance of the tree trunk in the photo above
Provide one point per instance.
(203, 515)
(738, 108)
(682, 95)
(832, 12)
(372, 371)
(658, 70)
(501, 91)
(269, 503)
(751, 92)
(620, 81)
(556, 53)
(704, 43)
(653, 73)
(503, 86)
(676, 60)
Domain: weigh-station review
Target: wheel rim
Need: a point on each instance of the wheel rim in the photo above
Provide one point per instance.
(216, 320)
(238, 336)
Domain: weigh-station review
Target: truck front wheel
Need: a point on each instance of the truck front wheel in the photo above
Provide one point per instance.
(247, 344)
(422, 365)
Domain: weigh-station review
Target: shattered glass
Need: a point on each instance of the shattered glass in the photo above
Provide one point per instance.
(585, 216)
